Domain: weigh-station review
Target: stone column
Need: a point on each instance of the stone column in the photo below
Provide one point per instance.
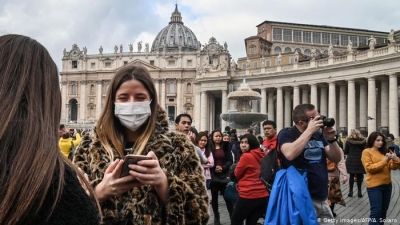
(393, 106)
(179, 97)
(351, 106)
(157, 86)
(314, 95)
(342, 106)
(323, 108)
(162, 98)
(99, 96)
(82, 103)
(197, 107)
(279, 109)
(211, 112)
(271, 106)
(64, 103)
(224, 107)
(288, 108)
(296, 96)
(204, 112)
(363, 104)
(384, 104)
(263, 105)
(332, 100)
(371, 105)
(304, 95)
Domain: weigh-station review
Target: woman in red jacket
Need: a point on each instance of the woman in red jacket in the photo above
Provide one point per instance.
(253, 196)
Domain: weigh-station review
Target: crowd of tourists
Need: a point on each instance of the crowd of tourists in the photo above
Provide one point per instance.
(131, 169)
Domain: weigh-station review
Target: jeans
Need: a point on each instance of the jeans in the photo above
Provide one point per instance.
(379, 199)
(323, 212)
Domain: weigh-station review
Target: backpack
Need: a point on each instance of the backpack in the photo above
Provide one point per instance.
(270, 165)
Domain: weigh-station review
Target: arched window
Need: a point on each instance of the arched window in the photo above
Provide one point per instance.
(171, 88)
(326, 52)
(298, 50)
(189, 87)
(73, 89)
(318, 52)
(277, 50)
(92, 89)
(288, 50)
(307, 52)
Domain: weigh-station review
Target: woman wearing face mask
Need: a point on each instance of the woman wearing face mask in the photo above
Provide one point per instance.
(169, 188)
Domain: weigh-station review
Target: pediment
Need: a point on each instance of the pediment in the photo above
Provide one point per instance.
(148, 66)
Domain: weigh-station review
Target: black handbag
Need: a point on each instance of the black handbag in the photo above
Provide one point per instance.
(220, 178)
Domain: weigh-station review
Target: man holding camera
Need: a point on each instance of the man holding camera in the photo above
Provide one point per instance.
(306, 146)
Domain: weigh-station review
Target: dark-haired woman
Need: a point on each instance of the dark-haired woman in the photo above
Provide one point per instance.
(378, 163)
(201, 140)
(38, 185)
(220, 172)
(166, 189)
(253, 196)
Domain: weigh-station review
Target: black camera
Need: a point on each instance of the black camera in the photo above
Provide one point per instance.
(328, 122)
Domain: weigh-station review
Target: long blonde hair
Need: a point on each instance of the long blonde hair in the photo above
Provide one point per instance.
(30, 116)
(109, 130)
(356, 134)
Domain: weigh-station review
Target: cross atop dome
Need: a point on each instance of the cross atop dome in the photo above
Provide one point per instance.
(176, 16)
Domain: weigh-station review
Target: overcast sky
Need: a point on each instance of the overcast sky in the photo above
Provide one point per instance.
(58, 24)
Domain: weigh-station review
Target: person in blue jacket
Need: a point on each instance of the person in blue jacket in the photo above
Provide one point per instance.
(306, 146)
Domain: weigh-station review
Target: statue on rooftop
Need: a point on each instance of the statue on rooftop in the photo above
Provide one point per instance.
(139, 45)
(350, 47)
(146, 48)
(330, 50)
(372, 42)
(130, 48)
(121, 48)
(391, 37)
(101, 50)
(115, 49)
(279, 59)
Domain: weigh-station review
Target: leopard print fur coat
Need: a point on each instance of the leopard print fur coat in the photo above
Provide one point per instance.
(187, 194)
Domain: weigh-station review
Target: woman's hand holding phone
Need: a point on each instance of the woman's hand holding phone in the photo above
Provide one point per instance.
(113, 184)
(149, 172)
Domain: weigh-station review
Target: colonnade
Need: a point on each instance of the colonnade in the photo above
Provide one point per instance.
(368, 104)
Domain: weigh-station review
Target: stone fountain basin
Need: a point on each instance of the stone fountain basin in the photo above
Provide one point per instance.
(244, 119)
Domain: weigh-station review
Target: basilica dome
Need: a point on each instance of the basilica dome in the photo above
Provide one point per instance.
(175, 36)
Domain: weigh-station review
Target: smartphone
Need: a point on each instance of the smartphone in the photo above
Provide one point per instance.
(391, 149)
(132, 159)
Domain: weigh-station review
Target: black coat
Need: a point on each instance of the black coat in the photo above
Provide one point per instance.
(227, 161)
(353, 149)
(74, 206)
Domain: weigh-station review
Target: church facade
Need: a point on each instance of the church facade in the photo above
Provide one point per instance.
(349, 74)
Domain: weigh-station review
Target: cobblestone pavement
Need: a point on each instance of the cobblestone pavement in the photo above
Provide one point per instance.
(356, 208)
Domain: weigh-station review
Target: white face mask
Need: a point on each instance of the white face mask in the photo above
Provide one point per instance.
(132, 114)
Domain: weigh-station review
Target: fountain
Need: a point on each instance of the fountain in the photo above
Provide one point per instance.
(243, 117)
